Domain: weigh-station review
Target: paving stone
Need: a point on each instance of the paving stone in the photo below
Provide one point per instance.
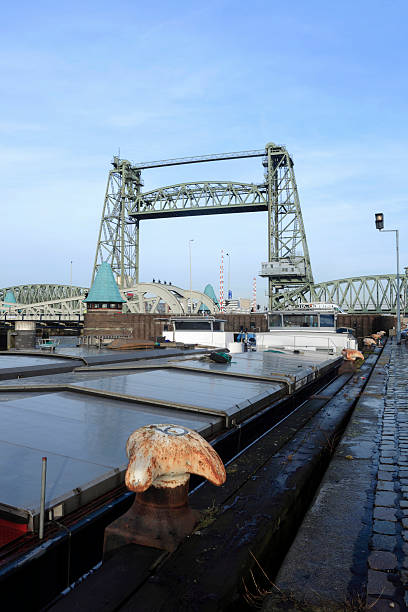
(404, 534)
(385, 475)
(385, 498)
(388, 468)
(387, 527)
(383, 542)
(405, 523)
(387, 454)
(378, 584)
(387, 460)
(385, 514)
(404, 577)
(380, 560)
(383, 485)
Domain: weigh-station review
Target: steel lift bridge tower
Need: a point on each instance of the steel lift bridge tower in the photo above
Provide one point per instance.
(288, 266)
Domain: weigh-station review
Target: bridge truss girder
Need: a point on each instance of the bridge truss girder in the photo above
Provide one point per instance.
(31, 294)
(205, 197)
(375, 294)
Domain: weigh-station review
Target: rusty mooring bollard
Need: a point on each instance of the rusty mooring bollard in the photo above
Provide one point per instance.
(161, 459)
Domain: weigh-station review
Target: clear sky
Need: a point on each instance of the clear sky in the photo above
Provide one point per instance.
(79, 80)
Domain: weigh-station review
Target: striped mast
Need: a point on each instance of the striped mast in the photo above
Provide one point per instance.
(222, 303)
(253, 308)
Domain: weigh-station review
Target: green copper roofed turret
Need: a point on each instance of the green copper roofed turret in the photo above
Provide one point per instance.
(104, 288)
(10, 297)
(209, 290)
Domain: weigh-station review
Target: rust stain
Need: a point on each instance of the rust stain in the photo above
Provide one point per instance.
(164, 455)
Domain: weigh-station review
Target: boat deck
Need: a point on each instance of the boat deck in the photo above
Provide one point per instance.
(81, 420)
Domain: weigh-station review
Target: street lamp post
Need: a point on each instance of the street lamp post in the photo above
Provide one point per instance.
(190, 303)
(379, 224)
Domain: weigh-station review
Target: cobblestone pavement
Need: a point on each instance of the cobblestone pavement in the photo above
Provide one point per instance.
(387, 584)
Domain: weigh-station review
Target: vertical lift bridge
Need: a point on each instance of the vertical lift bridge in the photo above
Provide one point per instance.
(126, 205)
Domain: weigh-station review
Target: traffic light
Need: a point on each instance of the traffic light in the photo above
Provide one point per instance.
(379, 221)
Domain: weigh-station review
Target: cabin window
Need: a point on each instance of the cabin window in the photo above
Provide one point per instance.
(327, 320)
(193, 325)
(294, 320)
(275, 320)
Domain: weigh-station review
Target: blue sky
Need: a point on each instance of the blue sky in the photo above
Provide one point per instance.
(81, 80)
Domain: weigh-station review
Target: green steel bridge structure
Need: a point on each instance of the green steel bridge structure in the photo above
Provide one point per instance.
(288, 269)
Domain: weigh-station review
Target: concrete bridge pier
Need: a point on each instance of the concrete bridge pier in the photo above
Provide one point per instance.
(24, 335)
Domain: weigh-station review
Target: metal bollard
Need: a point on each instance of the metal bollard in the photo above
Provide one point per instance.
(161, 459)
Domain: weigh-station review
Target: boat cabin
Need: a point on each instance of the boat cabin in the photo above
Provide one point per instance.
(197, 324)
(205, 331)
(302, 319)
(308, 327)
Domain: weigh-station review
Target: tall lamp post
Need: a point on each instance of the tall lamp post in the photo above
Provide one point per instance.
(379, 224)
(190, 303)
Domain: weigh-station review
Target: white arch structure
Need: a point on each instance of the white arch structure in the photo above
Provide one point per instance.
(147, 297)
(154, 298)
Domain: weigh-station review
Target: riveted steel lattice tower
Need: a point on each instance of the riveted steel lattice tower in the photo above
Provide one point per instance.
(118, 239)
(288, 262)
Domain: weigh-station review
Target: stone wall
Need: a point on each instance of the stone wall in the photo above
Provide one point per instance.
(150, 326)
(254, 322)
(141, 326)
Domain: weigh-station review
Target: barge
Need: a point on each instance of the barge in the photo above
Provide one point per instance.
(80, 420)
